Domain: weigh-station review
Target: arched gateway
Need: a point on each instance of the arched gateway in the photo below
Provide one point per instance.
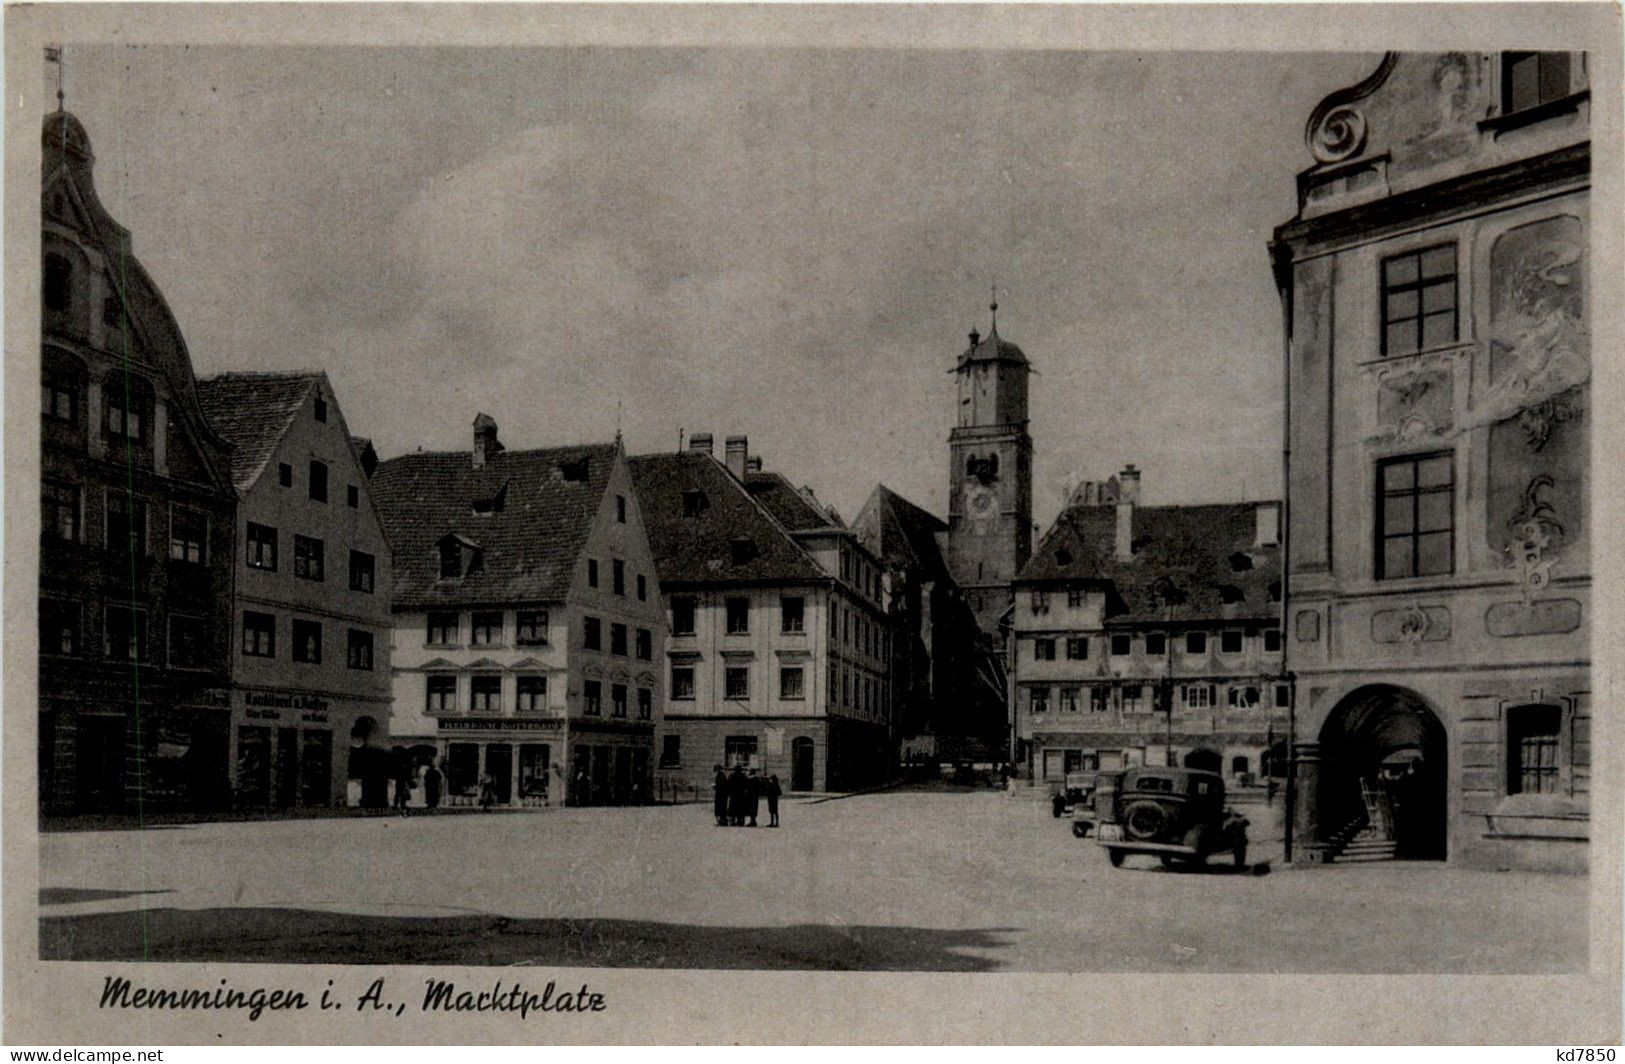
(1384, 776)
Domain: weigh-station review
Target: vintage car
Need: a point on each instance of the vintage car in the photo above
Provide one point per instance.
(1075, 799)
(1178, 814)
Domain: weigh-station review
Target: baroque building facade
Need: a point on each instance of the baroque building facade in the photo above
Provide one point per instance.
(1435, 286)
(137, 524)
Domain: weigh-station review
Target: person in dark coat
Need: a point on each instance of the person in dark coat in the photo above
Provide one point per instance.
(403, 787)
(737, 786)
(431, 787)
(753, 796)
(719, 799)
(771, 792)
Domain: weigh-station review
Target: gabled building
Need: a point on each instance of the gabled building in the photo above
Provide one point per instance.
(311, 591)
(137, 524)
(1146, 634)
(779, 650)
(948, 685)
(1436, 284)
(529, 635)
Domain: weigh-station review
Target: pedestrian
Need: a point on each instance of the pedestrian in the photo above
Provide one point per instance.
(431, 787)
(772, 792)
(488, 792)
(737, 786)
(719, 799)
(753, 796)
(403, 786)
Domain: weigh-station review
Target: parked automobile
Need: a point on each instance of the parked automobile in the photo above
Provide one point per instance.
(1076, 788)
(1178, 814)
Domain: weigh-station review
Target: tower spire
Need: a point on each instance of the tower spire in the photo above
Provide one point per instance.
(994, 305)
(53, 57)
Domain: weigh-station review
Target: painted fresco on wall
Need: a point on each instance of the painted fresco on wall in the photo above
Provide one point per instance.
(1540, 369)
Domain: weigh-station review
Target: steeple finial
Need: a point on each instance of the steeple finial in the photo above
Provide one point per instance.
(617, 421)
(53, 57)
(994, 306)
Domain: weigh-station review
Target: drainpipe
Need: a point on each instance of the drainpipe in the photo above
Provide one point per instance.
(1282, 263)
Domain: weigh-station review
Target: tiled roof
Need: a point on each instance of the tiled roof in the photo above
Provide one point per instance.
(700, 549)
(1207, 553)
(253, 411)
(529, 546)
(788, 505)
(992, 348)
(901, 534)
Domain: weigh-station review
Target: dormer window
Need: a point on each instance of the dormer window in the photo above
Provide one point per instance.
(742, 550)
(458, 557)
(574, 472)
(494, 503)
(694, 503)
(321, 410)
(1529, 79)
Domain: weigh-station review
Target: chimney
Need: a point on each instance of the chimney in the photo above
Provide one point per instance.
(486, 444)
(1128, 494)
(753, 463)
(700, 442)
(736, 448)
(1267, 524)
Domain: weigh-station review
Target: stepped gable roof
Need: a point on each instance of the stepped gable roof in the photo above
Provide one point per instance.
(253, 411)
(1206, 552)
(699, 550)
(789, 505)
(901, 534)
(533, 526)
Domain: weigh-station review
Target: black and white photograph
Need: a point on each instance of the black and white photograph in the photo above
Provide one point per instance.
(569, 495)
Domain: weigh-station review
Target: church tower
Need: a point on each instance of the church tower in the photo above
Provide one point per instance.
(990, 475)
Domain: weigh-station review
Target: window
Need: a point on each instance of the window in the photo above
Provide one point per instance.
(442, 628)
(694, 503)
(530, 628)
(1198, 695)
(682, 683)
(792, 683)
(1196, 642)
(1069, 700)
(1243, 697)
(1529, 79)
(126, 633)
(1416, 516)
(361, 571)
(736, 682)
(742, 550)
(793, 613)
(1156, 644)
(1077, 648)
(592, 572)
(188, 642)
(259, 635)
(738, 616)
(671, 751)
(617, 640)
(58, 294)
(592, 698)
(617, 576)
(284, 474)
(1043, 650)
(307, 641)
(682, 616)
(1133, 698)
(592, 633)
(1122, 645)
(124, 413)
(1074, 598)
(358, 650)
(645, 645)
(485, 693)
(1272, 640)
(60, 513)
(532, 694)
(307, 557)
(442, 694)
(1230, 642)
(61, 400)
(1532, 749)
(261, 550)
(59, 626)
(620, 509)
(643, 588)
(352, 496)
(318, 481)
(1419, 300)
(188, 530)
(646, 704)
(321, 409)
(1283, 695)
(1099, 697)
(1239, 765)
(126, 524)
(739, 751)
(1038, 700)
(1039, 601)
(617, 700)
(485, 628)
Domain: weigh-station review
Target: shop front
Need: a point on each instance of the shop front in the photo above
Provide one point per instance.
(290, 749)
(611, 762)
(519, 757)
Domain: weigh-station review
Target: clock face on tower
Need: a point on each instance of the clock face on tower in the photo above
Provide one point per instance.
(980, 502)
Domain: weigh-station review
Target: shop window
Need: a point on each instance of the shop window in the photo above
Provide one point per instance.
(259, 635)
(792, 683)
(530, 627)
(682, 683)
(1419, 300)
(485, 694)
(358, 651)
(682, 615)
(261, 549)
(1416, 516)
(1532, 749)
(1529, 79)
(463, 769)
(442, 694)
(736, 682)
(60, 514)
(671, 751)
(188, 534)
(307, 642)
(188, 642)
(532, 694)
(792, 614)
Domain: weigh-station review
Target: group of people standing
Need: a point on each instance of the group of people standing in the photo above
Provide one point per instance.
(411, 776)
(738, 796)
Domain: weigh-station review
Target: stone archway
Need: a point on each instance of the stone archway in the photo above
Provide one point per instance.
(1384, 772)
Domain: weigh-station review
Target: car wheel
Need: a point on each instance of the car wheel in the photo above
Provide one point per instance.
(1144, 820)
(1241, 857)
(1115, 856)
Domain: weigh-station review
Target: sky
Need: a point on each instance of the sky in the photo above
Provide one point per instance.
(789, 244)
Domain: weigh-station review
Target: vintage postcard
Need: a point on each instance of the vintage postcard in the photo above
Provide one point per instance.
(624, 523)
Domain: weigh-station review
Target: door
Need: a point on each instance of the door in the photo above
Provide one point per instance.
(623, 775)
(801, 764)
(499, 766)
(287, 767)
(316, 768)
(600, 775)
(100, 763)
(253, 765)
